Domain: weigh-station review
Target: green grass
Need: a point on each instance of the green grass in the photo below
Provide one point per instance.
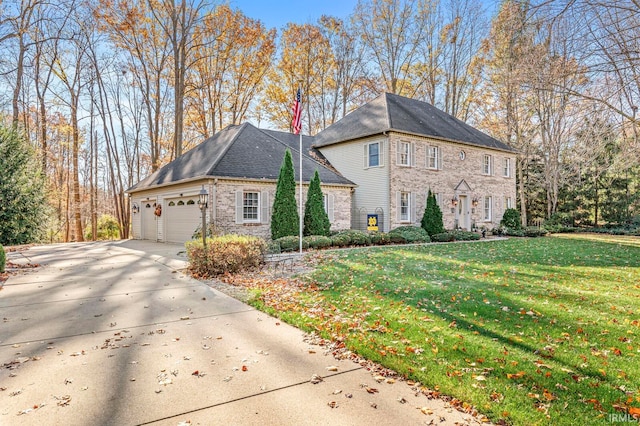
(528, 331)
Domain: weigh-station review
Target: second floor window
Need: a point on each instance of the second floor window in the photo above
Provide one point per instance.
(404, 154)
(433, 157)
(507, 167)
(373, 155)
(486, 164)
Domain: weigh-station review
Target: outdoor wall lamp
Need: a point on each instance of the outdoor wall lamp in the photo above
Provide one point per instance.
(454, 203)
(135, 209)
(203, 198)
(474, 203)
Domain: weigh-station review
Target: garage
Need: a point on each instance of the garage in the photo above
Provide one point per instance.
(182, 217)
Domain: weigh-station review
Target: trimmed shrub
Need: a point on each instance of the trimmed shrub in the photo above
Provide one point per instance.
(535, 232)
(410, 234)
(225, 254)
(432, 218)
(3, 258)
(316, 221)
(513, 232)
(284, 219)
(291, 243)
(443, 237)
(356, 237)
(379, 238)
(340, 240)
(465, 235)
(511, 219)
(316, 241)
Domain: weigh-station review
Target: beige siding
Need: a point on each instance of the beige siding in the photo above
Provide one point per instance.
(373, 182)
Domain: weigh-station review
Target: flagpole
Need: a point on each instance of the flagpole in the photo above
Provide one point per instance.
(301, 219)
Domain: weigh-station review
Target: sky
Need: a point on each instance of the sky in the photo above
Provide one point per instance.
(277, 13)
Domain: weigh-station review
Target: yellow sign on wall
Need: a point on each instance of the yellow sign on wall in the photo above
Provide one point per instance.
(372, 222)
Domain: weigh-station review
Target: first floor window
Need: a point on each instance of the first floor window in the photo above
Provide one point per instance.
(507, 203)
(487, 208)
(250, 206)
(404, 207)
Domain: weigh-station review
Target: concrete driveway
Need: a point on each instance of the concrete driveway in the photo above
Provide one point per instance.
(115, 333)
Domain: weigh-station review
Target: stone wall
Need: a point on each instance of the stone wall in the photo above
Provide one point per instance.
(460, 175)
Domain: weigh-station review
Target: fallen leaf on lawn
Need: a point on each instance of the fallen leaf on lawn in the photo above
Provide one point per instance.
(517, 375)
(634, 411)
(481, 378)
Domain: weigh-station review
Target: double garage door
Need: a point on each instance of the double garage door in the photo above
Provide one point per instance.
(181, 218)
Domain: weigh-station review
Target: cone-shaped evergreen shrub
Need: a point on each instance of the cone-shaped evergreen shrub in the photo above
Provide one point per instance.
(432, 218)
(316, 220)
(284, 217)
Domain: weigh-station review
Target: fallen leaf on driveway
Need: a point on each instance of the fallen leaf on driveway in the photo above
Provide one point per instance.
(332, 368)
(426, 410)
(333, 404)
(63, 401)
(315, 379)
(371, 390)
(244, 368)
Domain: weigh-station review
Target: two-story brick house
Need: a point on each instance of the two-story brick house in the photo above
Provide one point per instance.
(380, 159)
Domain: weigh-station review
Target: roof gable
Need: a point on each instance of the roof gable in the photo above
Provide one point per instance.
(389, 112)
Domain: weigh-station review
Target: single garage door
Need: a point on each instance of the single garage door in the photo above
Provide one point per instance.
(149, 221)
(182, 217)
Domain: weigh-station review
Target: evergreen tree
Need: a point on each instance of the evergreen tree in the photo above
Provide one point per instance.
(285, 218)
(23, 203)
(316, 220)
(432, 218)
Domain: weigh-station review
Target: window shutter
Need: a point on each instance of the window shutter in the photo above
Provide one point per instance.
(413, 154)
(264, 207)
(381, 152)
(239, 219)
(439, 158)
(412, 207)
(365, 163)
(330, 201)
(398, 153)
(398, 209)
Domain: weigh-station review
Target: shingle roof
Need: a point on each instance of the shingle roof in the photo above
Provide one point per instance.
(242, 151)
(389, 112)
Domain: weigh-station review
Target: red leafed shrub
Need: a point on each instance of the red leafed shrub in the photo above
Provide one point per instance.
(225, 254)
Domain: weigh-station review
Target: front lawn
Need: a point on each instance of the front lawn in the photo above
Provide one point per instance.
(528, 331)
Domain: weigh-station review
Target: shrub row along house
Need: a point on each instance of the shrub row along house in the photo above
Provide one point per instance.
(376, 164)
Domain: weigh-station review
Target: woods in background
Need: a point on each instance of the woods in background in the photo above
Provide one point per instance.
(107, 92)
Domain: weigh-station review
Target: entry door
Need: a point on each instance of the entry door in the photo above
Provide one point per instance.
(463, 213)
(149, 224)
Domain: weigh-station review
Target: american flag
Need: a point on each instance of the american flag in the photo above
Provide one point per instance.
(296, 123)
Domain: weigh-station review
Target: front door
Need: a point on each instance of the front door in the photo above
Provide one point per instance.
(463, 217)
